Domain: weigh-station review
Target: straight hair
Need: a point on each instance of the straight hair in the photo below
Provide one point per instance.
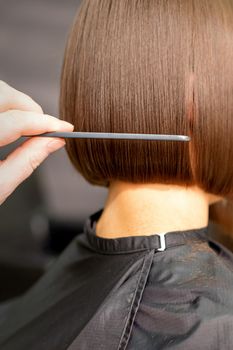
(152, 66)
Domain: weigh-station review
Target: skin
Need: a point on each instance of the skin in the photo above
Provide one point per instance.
(19, 116)
(147, 209)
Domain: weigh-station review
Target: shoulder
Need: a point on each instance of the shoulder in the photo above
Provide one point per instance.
(224, 254)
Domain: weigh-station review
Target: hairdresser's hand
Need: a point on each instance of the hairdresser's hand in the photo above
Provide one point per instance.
(19, 116)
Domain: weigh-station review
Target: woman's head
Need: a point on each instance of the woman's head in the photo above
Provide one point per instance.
(152, 67)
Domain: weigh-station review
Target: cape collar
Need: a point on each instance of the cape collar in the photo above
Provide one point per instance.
(131, 244)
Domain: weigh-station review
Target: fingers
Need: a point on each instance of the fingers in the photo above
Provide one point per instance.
(21, 116)
(15, 123)
(11, 98)
(20, 164)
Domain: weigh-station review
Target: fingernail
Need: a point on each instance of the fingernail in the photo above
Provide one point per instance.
(55, 145)
(67, 125)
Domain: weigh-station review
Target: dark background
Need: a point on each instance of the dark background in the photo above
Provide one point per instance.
(50, 207)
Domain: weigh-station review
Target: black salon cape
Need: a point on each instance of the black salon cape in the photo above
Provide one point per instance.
(122, 293)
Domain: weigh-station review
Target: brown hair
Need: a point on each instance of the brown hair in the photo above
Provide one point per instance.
(151, 66)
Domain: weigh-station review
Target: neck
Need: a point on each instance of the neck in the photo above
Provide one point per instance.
(147, 209)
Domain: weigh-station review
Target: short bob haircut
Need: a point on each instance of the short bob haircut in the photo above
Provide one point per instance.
(152, 66)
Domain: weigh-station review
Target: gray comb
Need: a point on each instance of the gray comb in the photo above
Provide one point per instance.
(112, 135)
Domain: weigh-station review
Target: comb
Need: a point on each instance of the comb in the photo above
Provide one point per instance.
(112, 135)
